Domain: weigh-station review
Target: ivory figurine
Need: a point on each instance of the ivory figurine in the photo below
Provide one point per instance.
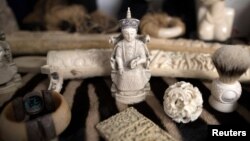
(214, 20)
(130, 64)
(7, 70)
(9, 79)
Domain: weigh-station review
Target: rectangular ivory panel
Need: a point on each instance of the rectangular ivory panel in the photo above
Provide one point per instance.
(130, 125)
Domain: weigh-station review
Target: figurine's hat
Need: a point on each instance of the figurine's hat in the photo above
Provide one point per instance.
(129, 22)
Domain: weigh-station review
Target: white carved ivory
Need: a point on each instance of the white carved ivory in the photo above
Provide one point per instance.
(215, 20)
(72, 64)
(183, 102)
(224, 96)
(130, 125)
(43, 42)
(10, 80)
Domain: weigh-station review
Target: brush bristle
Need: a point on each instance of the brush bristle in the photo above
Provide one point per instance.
(231, 62)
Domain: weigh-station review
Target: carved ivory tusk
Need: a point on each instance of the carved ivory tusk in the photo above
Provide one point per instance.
(70, 64)
(42, 42)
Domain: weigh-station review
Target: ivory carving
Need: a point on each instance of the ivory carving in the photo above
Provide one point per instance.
(215, 20)
(130, 61)
(224, 96)
(72, 64)
(183, 102)
(10, 80)
(130, 125)
(43, 42)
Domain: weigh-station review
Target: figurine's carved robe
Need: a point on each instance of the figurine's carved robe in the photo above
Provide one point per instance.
(7, 72)
(131, 79)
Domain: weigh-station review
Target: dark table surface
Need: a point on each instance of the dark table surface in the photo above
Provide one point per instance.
(91, 101)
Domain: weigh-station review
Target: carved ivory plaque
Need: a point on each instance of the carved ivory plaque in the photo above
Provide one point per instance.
(131, 125)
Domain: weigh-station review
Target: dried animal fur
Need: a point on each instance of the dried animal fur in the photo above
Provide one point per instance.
(231, 62)
(104, 23)
(75, 18)
(57, 15)
(69, 18)
(151, 23)
(36, 19)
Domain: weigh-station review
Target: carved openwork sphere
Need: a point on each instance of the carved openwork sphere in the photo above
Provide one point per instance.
(183, 102)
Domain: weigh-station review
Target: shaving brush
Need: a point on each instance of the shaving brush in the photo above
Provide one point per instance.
(231, 62)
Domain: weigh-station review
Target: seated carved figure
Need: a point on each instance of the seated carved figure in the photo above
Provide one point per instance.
(7, 67)
(130, 63)
(10, 80)
(214, 20)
